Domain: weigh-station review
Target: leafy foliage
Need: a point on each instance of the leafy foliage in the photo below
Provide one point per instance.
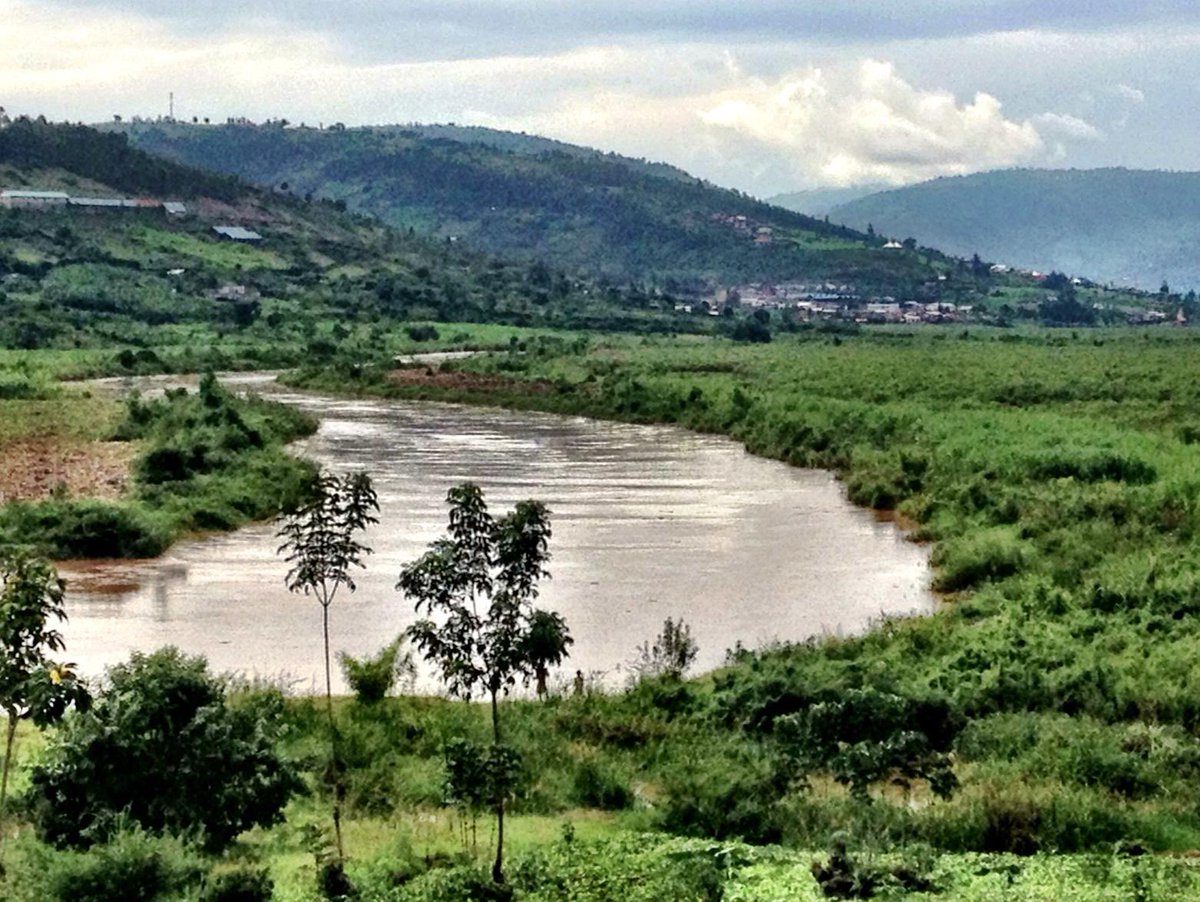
(866, 736)
(498, 563)
(321, 543)
(374, 677)
(670, 655)
(165, 749)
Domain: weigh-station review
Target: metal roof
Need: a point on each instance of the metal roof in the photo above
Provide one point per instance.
(34, 195)
(237, 233)
(173, 206)
(96, 202)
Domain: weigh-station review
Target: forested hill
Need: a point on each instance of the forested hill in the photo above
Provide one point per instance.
(530, 198)
(34, 144)
(1124, 226)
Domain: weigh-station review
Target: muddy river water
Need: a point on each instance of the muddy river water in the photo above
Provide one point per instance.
(649, 523)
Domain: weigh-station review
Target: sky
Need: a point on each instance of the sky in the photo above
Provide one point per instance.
(766, 96)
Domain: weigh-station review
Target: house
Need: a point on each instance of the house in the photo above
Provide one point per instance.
(237, 233)
(97, 203)
(175, 208)
(36, 199)
(893, 245)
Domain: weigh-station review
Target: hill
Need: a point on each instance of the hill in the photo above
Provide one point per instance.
(1123, 226)
(114, 267)
(529, 198)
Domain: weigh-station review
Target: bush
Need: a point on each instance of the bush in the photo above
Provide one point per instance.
(164, 748)
(243, 884)
(989, 554)
(596, 786)
(373, 678)
(67, 530)
(724, 798)
(132, 865)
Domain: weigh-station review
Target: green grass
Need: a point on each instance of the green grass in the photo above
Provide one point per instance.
(207, 250)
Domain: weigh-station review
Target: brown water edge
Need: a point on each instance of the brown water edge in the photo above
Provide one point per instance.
(649, 522)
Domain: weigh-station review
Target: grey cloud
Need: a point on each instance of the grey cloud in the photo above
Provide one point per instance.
(395, 30)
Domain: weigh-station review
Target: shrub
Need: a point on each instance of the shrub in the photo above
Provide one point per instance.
(66, 530)
(596, 786)
(132, 865)
(243, 884)
(166, 749)
(373, 678)
(989, 554)
(670, 655)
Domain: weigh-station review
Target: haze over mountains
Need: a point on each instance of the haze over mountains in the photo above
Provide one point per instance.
(1128, 227)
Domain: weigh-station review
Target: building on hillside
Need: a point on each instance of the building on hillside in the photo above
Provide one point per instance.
(35, 199)
(237, 233)
(175, 208)
(97, 203)
(893, 246)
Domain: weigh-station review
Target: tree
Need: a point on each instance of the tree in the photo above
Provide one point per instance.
(319, 540)
(165, 748)
(31, 686)
(546, 645)
(480, 582)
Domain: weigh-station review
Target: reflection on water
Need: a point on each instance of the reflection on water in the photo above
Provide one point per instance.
(649, 523)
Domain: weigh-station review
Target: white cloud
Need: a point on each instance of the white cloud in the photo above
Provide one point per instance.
(870, 125)
(1066, 126)
(1130, 93)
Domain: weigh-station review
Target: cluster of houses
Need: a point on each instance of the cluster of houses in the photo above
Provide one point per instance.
(745, 227)
(43, 200)
(20, 199)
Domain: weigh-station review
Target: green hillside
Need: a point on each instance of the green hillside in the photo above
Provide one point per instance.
(73, 276)
(1123, 226)
(528, 198)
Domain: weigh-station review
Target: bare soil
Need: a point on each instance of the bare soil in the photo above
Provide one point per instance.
(438, 378)
(33, 470)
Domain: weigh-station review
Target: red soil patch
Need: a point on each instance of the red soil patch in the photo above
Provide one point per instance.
(34, 470)
(437, 378)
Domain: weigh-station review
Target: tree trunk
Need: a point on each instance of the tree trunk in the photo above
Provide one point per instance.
(336, 761)
(10, 738)
(498, 865)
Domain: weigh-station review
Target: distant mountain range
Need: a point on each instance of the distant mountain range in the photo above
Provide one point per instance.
(529, 198)
(820, 201)
(1124, 226)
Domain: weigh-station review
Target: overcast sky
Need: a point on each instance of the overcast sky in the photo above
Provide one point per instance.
(762, 95)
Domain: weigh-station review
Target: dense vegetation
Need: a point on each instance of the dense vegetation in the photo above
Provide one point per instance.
(1112, 225)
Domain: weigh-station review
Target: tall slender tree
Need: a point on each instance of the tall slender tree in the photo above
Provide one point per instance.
(480, 582)
(321, 544)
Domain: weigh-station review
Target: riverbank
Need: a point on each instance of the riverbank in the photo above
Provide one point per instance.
(1054, 474)
(92, 477)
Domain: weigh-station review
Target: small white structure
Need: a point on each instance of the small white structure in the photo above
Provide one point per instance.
(175, 208)
(893, 245)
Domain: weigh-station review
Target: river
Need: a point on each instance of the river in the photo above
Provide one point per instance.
(649, 522)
